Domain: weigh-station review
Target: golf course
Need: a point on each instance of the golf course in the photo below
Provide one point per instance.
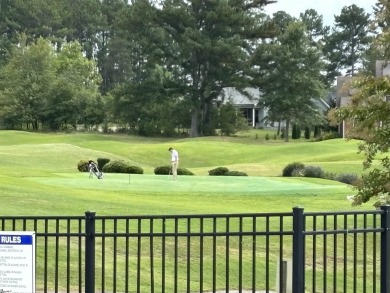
(39, 174)
(39, 177)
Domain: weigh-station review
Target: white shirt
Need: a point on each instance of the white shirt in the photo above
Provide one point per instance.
(175, 156)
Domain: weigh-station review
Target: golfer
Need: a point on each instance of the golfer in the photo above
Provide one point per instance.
(174, 162)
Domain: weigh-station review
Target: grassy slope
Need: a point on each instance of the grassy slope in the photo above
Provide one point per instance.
(39, 175)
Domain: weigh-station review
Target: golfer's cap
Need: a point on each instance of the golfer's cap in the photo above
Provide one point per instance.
(170, 149)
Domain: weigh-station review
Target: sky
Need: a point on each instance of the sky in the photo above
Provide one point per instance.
(326, 8)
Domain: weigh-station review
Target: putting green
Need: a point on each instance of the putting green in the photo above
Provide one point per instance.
(192, 184)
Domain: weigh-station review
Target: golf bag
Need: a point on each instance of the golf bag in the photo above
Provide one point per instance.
(94, 170)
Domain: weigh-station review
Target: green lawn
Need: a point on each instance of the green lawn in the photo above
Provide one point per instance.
(39, 176)
(40, 170)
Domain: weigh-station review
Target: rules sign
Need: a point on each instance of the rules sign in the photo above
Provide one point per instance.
(17, 262)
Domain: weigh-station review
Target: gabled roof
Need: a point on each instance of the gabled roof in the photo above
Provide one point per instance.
(248, 98)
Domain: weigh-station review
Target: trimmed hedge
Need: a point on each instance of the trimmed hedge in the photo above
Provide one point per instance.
(236, 173)
(165, 170)
(120, 166)
(293, 169)
(313, 172)
(347, 178)
(220, 171)
(101, 162)
(82, 165)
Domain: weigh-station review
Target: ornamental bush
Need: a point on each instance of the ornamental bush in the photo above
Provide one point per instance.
(291, 168)
(219, 171)
(165, 170)
(120, 166)
(82, 165)
(236, 173)
(101, 162)
(347, 178)
(313, 172)
(184, 171)
(162, 170)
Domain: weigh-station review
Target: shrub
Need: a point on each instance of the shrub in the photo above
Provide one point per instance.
(347, 178)
(307, 132)
(165, 170)
(297, 173)
(220, 171)
(329, 175)
(267, 136)
(236, 173)
(296, 131)
(184, 171)
(292, 167)
(162, 170)
(313, 172)
(101, 162)
(120, 166)
(82, 165)
(134, 170)
(317, 131)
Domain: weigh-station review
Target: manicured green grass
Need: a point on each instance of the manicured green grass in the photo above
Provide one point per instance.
(38, 168)
(39, 176)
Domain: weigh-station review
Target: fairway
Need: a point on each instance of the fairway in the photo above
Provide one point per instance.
(39, 175)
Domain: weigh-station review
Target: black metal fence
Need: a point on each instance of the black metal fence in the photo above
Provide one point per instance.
(263, 252)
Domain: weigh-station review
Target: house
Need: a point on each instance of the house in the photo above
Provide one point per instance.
(248, 102)
(344, 91)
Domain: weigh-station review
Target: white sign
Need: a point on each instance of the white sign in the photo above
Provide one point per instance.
(17, 262)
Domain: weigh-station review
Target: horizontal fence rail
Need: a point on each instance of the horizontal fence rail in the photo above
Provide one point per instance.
(258, 252)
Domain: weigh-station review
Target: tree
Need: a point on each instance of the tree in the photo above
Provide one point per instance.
(25, 84)
(368, 111)
(314, 25)
(231, 120)
(74, 97)
(289, 74)
(348, 41)
(209, 46)
(369, 118)
(41, 87)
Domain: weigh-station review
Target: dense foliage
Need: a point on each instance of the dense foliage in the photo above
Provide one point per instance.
(120, 166)
(166, 170)
(160, 69)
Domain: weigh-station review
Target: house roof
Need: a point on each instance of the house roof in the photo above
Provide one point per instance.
(248, 98)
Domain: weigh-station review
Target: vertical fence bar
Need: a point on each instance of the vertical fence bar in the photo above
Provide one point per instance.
(298, 251)
(325, 255)
(188, 255)
(385, 250)
(151, 255)
(267, 253)
(176, 256)
(214, 261)
(89, 252)
(114, 256)
(227, 253)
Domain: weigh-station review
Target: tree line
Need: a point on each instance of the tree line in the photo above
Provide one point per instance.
(157, 68)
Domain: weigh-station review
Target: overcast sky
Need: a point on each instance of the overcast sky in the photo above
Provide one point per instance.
(326, 8)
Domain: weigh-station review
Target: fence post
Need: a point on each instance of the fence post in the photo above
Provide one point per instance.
(385, 249)
(298, 256)
(89, 252)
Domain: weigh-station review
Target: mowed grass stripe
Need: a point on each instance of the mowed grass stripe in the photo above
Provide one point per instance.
(39, 173)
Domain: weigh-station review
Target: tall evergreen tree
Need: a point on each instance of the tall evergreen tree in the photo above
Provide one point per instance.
(207, 48)
(289, 74)
(348, 41)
